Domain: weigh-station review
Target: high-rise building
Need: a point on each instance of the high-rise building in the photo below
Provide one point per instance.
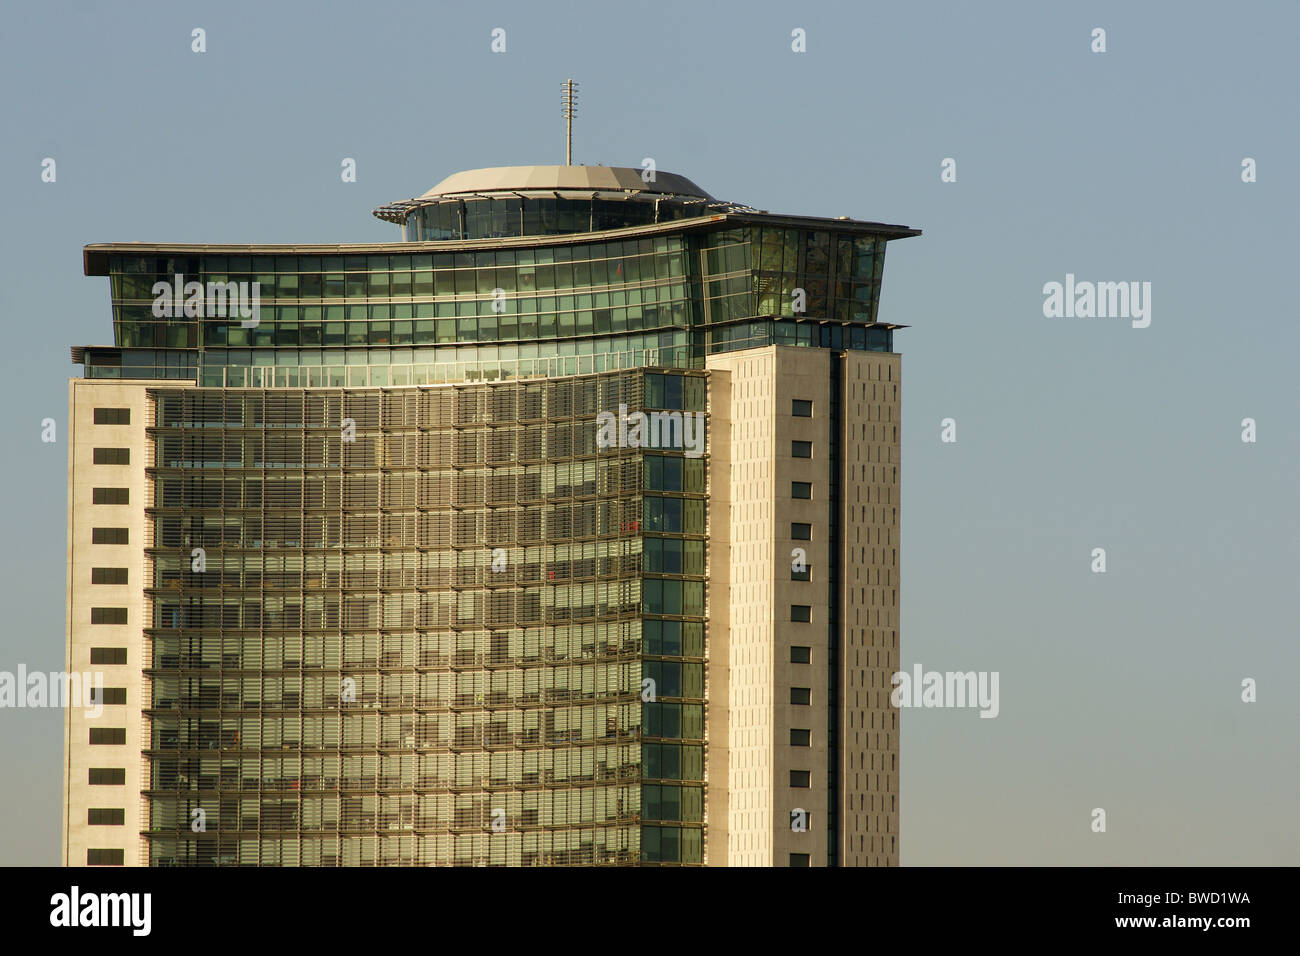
(562, 531)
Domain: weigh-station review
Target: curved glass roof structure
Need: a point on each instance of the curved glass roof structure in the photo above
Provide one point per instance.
(510, 272)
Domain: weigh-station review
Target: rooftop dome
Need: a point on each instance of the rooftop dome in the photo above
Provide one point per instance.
(554, 182)
(547, 179)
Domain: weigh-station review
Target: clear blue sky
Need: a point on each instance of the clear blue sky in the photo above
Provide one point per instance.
(1120, 690)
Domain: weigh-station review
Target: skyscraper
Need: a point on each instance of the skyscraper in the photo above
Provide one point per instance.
(562, 531)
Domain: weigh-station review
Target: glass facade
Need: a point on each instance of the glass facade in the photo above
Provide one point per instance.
(493, 218)
(420, 318)
(427, 645)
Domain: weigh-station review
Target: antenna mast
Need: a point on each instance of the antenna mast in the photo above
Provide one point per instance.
(569, 106)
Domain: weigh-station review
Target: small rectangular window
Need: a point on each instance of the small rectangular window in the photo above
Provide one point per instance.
(108, 655)
(800, 655)
(110, 536)
(804, 575)
(105, 857)
(108, 615)
(801, 408)
(801, 778)
(108, 575)
(107, 776)
(112, 695)
(107, 736)
(112, 416)
(112, 456)
(110, 496)
(800, 859)
(800, 531)
(801, 489)
(801, 613)
(104, 817)
(800, 738)
(801, 449)
(801, 695)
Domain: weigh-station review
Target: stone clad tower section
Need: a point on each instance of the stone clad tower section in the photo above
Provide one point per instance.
(742, 628)
(108, 563)
(804, 592)
(869, 760)
(563, 531)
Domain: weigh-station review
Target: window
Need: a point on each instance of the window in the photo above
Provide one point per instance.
(800, 738)
(108, 575)
(673, 556)
(675, 679)
(112, 416)
(112, 695)
(107, 777)
(801, 613)
(110, 496)
(108, 615)
(662, 719)
(110, 536)
(108, 655)
(801, 779)
(672, 844)
(670, 802)
(804, 575)
(105, 857)
(800, 655)
(673, 638)
(800, 695)
(105, 817)
(800, 531)
(801, 408)
(673, 597)
(112, 456)
(801, 489)
(672, 762)
(673, 391)
(674, 515)
(801, 449)
(663, 473)
(797, 859)
(107, 736)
